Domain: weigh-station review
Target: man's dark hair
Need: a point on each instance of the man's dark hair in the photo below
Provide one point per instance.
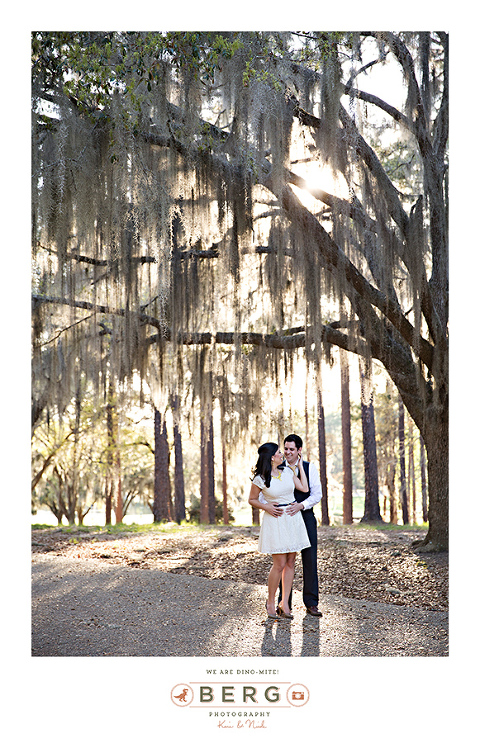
(293, 438)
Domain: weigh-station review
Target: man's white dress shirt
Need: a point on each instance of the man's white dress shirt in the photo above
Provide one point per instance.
(315, 488)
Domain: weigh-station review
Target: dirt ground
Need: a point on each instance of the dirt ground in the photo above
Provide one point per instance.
(355, 562)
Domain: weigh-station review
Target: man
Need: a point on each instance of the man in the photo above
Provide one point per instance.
(304, 502)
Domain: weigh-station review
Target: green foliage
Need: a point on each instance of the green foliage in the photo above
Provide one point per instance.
(94, 66)
(79, 452)
(333, 430)
(400, 160)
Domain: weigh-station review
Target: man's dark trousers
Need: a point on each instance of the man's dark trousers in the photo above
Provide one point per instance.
(309, 554)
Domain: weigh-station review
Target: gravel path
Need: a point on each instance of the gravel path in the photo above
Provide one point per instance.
(88, 607)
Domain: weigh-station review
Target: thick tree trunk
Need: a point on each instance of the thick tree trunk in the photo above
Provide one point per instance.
(306, 442)
(119, 502)
(390, 483)
(372, 505)
(401, 450)
(423, 472)
(111, 445)
(108, 501)
(162, 490)
(179, 482)
(211, 472)
(113, 457)
(207, 484)
(322, 456)
(346, 440)
(223, 438)
(224, 482)
(411, 472)
(58, 508)
(119, 498)
(168, 484)
(436, 443)
(71, 499)
(203, 474)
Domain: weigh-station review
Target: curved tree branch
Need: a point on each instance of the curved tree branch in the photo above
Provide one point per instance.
(374, 165)
(420, 124)
(383, 347)
(338, 261)
(383, 105)
(363, 220)
(440, 136)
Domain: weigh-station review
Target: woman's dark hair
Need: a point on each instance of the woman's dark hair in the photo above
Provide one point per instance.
(264, 462)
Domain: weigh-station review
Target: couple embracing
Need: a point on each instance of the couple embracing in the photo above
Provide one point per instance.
(286, 490)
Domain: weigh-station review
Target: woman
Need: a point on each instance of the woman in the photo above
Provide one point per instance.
(281, 535)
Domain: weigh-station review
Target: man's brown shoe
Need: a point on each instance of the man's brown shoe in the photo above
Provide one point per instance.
(313, 610)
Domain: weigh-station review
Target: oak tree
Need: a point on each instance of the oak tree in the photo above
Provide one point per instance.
(170, 212)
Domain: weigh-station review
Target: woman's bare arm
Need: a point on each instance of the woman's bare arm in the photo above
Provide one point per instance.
(253, 501)
(301, 483)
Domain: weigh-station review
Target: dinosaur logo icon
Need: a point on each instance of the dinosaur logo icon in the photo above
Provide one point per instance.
(182, 695)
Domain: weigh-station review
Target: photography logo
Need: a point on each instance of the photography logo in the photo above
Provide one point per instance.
(259, 694)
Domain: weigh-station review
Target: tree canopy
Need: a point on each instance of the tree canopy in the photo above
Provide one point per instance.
(183, 230)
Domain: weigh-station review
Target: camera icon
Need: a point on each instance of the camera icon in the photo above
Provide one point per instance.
(298, 695)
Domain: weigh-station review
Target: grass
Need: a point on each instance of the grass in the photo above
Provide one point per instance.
(186, 528)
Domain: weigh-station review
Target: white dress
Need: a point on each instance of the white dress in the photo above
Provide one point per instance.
(284, 533)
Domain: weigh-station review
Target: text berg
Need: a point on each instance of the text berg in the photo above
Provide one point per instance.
(230, 694)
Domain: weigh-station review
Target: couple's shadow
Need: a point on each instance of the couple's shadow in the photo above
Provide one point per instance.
(277, 638)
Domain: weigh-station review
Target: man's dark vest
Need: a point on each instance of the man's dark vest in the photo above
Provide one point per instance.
(299, 496)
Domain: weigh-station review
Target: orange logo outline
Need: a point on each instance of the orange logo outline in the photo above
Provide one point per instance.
(182, 695)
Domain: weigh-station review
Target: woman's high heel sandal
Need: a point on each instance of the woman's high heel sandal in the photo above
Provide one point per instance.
(270, 616)
(282, 614)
